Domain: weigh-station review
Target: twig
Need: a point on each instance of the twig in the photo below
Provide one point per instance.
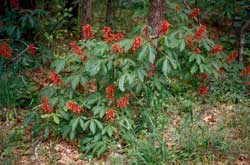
(189, 8)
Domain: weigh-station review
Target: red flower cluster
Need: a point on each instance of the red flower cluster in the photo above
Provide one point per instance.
(116, 48)
(110, 114)
(87, 32)
(32, 49)
(232, 57)
(74, 107)
(110, 92)
(14, 4)
(109, 36)
(246, 71)
(75, 48)
(5, 50)
(118, 36)
(137, 43)
(203, 90)
(216, 49)
(200, 32)
(45, 105)
(164, 27)
(151, 72)
(56, 78)
(189, 40)
(123, 102)
(197, 50)
(195, 12)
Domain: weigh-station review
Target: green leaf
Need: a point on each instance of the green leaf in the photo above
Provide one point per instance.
(92, 126)
(182, 45)
(74, 123)
(121, 82)
(99, 124)
(75, 81)
(58, 65)
(142, 53)
(101, 150)
(193, 69)
(99, 110)
(152, 53)
(81, 124)
(56, 119)
(165, 66)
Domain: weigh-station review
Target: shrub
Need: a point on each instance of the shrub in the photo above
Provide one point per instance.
(100, 87)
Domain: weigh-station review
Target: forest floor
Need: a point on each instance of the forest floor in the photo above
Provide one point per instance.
(16, 142)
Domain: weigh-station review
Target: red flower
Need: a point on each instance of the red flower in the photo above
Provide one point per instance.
(75, 48)
(110, 114)
(197, 50)
(246, 71)
(116, 48)
(87, 32)
(123, 102)
(14, 4)
(203, 90)
(200, 32)
(110, 92)
(152, 67)
(118, 36)
(74, 107)
(195, 12)
(150, 74)
(164, 27)
(32, 49)
(189, 40)
(56, 78)
(108, 34)
(177, 8)
(232, 57)
(137, 43)
(216, 49)
(203, 76)
(5, 50)
(45, 105)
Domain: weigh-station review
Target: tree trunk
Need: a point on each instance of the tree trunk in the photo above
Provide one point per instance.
(156, 13)
(86, 13)
(108, 12)
(243, 30)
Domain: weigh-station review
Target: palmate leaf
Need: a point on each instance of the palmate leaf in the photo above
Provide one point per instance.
(58, 65)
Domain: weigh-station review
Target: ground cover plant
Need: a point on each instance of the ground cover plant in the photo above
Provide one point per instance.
(124, 82)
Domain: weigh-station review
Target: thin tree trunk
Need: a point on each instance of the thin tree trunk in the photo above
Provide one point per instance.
(108, 12)
(243, 30)
(156, 13)
(86, 14)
